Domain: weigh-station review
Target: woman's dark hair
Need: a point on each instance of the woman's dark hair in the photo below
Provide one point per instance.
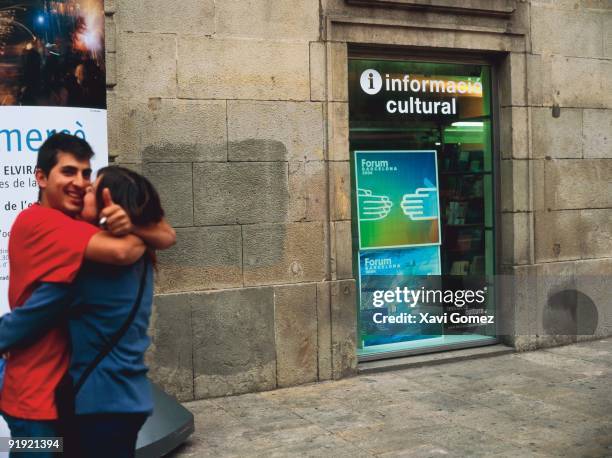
(133, 192)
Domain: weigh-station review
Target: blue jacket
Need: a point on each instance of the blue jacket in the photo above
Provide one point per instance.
(97, 304)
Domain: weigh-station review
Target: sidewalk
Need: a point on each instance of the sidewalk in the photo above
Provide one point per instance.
(554, 402)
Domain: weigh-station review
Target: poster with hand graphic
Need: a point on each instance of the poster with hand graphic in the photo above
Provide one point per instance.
(397, 199)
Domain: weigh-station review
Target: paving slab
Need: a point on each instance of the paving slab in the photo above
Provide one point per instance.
(546, 403)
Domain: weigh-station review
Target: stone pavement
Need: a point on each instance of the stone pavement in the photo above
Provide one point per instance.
(553, 402)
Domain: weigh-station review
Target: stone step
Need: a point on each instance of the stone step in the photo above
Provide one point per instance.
(431, 359)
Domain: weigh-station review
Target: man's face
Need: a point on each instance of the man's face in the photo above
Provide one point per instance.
(64, 187)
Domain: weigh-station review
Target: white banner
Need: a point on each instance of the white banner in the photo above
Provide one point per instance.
(51, 68)
(22, 132)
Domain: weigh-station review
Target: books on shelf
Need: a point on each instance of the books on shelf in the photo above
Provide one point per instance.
(477, 267)
(456, 159)
(458, 187)
(460, 268)
(455, 212)
(477, 188)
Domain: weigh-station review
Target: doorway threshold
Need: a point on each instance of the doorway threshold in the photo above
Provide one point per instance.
(430, 359)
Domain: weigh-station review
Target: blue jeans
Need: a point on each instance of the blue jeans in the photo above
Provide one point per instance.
(108, 435)
(32, 428)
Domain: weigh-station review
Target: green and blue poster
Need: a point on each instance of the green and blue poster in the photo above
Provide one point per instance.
(397, 199)
(391, 270)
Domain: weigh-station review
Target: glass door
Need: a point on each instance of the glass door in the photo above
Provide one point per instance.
(423, 205)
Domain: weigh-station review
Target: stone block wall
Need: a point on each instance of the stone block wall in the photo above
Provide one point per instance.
(569, 112)
(238, 112)
(223, 105)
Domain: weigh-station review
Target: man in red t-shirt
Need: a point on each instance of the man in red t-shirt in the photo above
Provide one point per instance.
(48, 245)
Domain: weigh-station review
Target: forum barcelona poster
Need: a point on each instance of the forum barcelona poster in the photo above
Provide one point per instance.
(397, 199)
(52, 79)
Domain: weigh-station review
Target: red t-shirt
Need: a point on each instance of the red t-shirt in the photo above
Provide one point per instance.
(45, 246)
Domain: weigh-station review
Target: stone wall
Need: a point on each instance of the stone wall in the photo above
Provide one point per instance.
(223, 106)
(567, 168)
(238, 112)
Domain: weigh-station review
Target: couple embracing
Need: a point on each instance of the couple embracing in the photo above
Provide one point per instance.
(81, 299)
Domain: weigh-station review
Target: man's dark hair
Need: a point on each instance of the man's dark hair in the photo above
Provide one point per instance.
(133, 192)
(61, 143)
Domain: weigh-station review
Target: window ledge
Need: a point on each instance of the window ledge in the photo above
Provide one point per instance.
(500, 8)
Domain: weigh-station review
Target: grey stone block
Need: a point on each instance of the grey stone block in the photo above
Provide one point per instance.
(110, 34)
(233, 342)
(572, 5)
(338, 131)
(184, 131)
(557, 137)
(566, 32)
(342, 250)
(525, 343)
(324, 331)
(283, 253)
(110, 6)
(125, 122)
(337, 71)
(295, 321)
(346, 30)
(593, 280)
(294, 20)
(275, 131)
(340, 189)
(597, 133)
(558, 235)
(344, 328)
(554, 323)
(242, 69)
(539, 80)
(512, 80)
(111, 69)
(307, 191)
(596, 233)
(196, 17)
(514, 133)
(318, 72)
(174, 184)
(136, 167)
(539, 185)
(170, 355)
(203, 258)
(516, 313)
(576, 184)
(582, 83)
(607, 27)
(516, 236)
(137, 54)
(240, 192)
(515, 185)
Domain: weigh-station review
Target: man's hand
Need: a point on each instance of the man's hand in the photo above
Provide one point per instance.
(118, 221)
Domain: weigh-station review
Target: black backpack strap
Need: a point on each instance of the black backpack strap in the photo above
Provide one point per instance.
(117, 336)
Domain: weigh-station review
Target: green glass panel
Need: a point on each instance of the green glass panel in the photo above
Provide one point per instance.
(489, 253)
(405, 106)
(489, 216)
(487, 145)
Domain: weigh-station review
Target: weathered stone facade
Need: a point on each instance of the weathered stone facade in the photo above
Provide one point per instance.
(238, 112)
